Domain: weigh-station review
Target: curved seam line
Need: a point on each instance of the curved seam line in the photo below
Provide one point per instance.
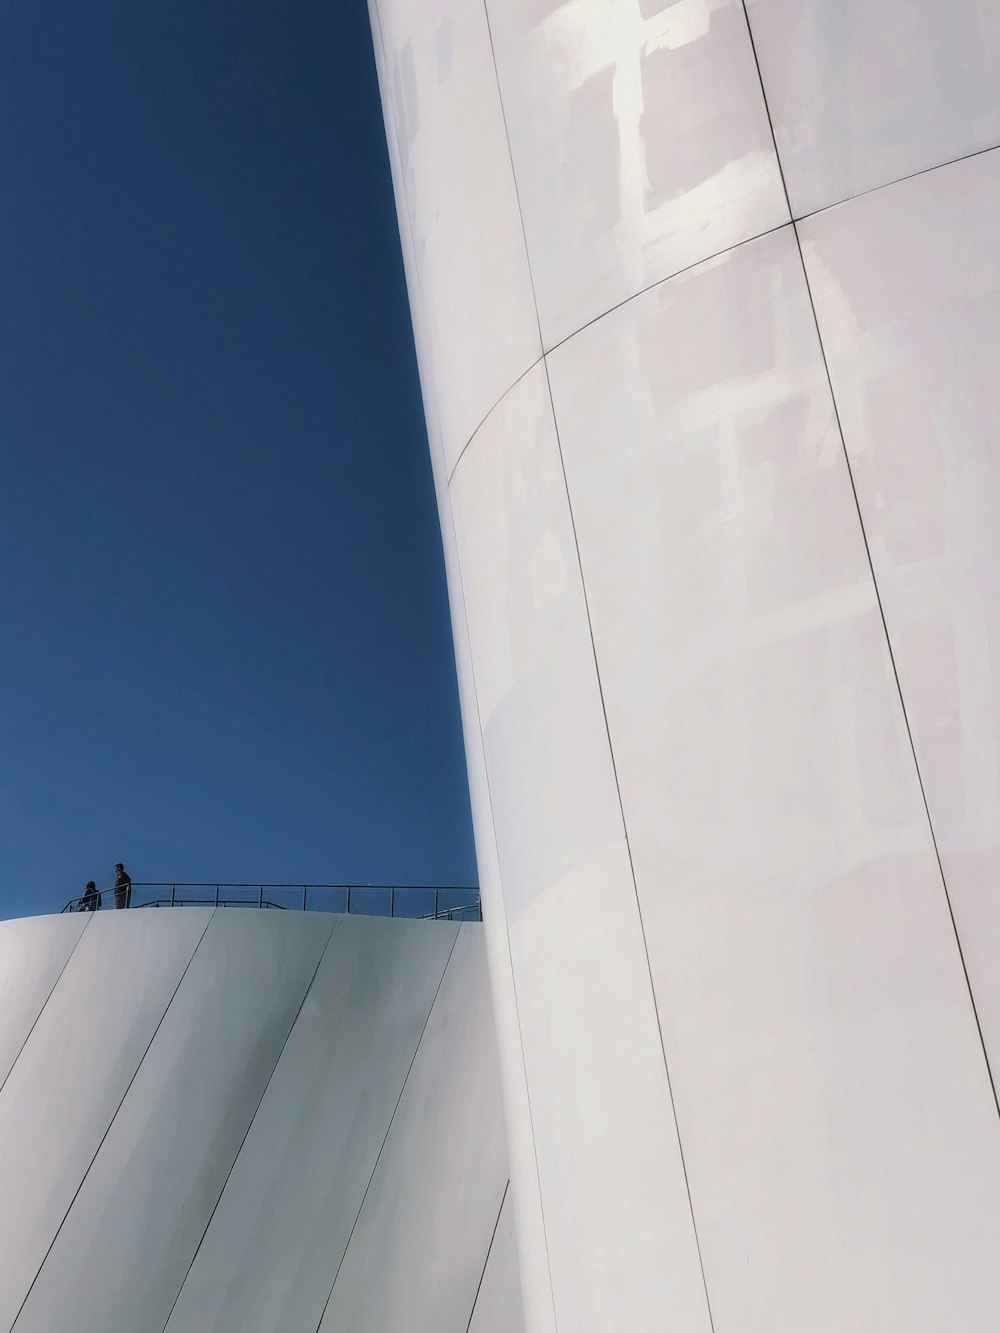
(719, 254)
(634, 296)
(114, 1117)
(253, 1118)
(886, 185)
(669, 277)
(513, 385)
(878, 594)
(489, 1251)
(607, 729)
(510, 955)
(388, 1130)
(20, 1050)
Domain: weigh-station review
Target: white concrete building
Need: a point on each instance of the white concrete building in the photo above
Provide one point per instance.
(706, 299)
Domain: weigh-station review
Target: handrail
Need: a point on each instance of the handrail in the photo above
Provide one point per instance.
(384, 900)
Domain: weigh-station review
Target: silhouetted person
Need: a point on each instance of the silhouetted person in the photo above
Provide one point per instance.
(91, 900)
(123, 887)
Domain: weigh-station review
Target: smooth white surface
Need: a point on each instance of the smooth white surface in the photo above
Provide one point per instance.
(497, 1308)
(33, 953)
(608, 1160)
(839, 1128)
(75, 1069)
(907, 287)
(863, 92)
(417, 1253)
(479, 326)
(640, 144)
(422, 340)
(840, 1132)
(524, 1194)
(125, 1248)
(267, 1262)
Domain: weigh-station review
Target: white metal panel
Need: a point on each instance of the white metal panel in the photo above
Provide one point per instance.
(498, 1309)
(584, 998)
(281, 1228)
(75, 1069)
(840, 1134)
(444, 108)
(524, 1195)
(535, 681)
(417, 1253)
(33, 953)
(422, 338)
(640, 143)
(121, 1256)
(907, 287)
(863, 92)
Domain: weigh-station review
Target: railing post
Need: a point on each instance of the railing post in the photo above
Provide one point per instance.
(216, 895)
(305, 891)
(173, 895)
(260, 895)
(437, 895)
(392, 902)
(348, 902)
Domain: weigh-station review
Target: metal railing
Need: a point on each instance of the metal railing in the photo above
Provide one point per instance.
(415, 902)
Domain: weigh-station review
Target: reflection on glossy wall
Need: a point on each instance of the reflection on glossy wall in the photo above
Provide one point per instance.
(706, 300)
(219, 1121)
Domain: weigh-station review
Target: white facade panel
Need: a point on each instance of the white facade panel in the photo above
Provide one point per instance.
(691, 763)
(461, 206)
(864, 92)
(498, 1309)
(833, 1100)
(640, 143)
(162, 1167)
(907, 288)
(74, 1071)
(422, 337)
(278, 1236)
(416, 1256)
(524, 1196)
(584, 998)
(33, 953)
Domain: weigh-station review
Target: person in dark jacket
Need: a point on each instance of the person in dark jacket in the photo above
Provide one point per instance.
(123, 887)
(91, 900)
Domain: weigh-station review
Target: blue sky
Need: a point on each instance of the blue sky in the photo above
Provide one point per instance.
(224, 643)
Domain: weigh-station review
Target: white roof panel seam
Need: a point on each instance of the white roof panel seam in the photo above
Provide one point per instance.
(41, 1011)
(115, 1116)
(444, 973)
(249, 1127)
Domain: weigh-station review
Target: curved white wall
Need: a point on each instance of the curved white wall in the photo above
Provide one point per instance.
(707, 312)
(250, 1122)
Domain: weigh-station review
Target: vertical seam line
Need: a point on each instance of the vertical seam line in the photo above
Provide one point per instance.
(388, 1131)
(510, 954)
(871, 567)
(600, 689)
(446, 502)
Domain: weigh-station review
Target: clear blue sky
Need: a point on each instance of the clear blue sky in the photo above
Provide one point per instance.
(224, 643)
